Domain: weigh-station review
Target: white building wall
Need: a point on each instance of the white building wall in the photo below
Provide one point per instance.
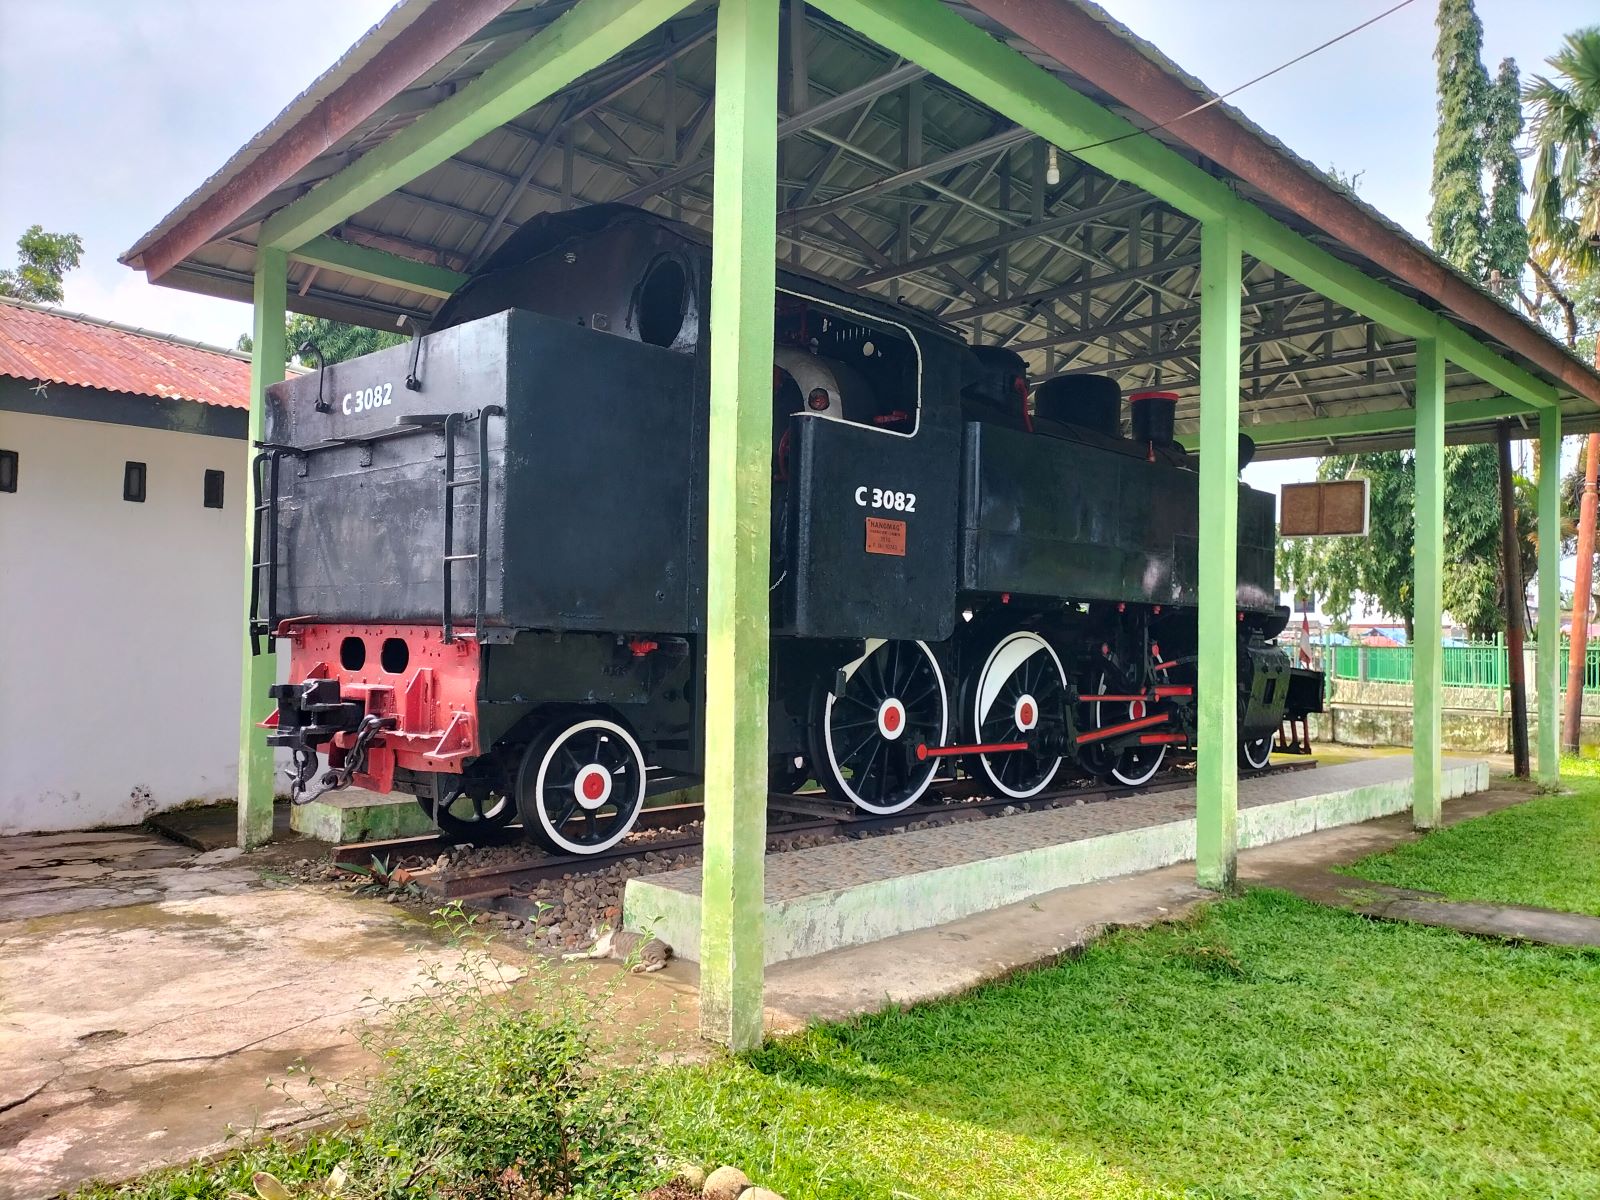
(119, 624)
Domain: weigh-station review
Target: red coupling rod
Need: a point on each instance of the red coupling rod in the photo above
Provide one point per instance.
(1164, 692)
(1096, 735)
(925, 752)
(1160, 739)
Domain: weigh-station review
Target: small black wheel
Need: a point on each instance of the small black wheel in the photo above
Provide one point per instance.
(866, 735)
(1256, 754)
(470, 805)
(581, 786)
(1020, 696)
(1136, 765)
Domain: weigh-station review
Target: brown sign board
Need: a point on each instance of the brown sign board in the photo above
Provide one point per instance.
(1325, 509)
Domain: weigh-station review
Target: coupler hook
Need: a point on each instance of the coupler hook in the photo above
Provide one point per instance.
(305, 762)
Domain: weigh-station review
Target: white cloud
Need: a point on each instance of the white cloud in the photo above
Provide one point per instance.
(131, 109)
(124, 296)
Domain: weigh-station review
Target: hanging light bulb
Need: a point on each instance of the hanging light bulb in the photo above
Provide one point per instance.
(1052, 168)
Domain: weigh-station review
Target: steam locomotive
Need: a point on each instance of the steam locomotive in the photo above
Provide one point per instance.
(487, 551)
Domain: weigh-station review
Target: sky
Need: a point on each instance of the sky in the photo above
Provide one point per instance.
(112, 111)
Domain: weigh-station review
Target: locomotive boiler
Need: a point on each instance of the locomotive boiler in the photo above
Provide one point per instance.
(487, 552)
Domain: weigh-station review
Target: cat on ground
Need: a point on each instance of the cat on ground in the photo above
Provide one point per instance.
(646, 953)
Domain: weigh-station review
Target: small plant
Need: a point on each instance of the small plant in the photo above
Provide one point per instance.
(379, 877)
(485, 1085)
(376, 871)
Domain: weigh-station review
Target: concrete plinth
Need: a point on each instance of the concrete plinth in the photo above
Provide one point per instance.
(851, 893)
(357, 815)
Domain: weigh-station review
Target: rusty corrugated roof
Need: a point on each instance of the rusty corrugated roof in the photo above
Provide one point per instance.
(44, 344)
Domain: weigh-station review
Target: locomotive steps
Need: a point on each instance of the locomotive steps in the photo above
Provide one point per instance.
(852, 893)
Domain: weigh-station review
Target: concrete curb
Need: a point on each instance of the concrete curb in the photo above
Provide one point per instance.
(806, 915)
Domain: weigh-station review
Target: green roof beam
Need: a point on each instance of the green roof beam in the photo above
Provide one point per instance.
(1284, 250)
(379, 266)
(934, 36)
(583, 38)
(1392, 420)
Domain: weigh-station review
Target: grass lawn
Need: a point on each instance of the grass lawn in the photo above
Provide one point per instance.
(1267, 1048)
(1545, 852)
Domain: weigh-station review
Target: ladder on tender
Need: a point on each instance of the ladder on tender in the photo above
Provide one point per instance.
(453, 484)
(264, 551)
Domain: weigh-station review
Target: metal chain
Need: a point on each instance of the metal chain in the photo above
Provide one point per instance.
(305, 763)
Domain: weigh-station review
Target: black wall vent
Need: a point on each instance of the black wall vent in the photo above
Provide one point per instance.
(133, 480)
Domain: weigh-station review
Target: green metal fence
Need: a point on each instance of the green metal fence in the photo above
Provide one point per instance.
(1478, 664)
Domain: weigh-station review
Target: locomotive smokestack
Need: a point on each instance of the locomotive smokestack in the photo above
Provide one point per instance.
(1153, 416)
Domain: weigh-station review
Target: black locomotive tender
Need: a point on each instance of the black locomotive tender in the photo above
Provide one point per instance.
(487, 550)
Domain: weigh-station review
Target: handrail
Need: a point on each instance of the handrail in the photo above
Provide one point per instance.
(270, 456)
(452, 422)
(1474, 665)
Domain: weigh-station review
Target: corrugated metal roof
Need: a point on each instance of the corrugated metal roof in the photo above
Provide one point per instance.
(44, 344)
(1090, 274)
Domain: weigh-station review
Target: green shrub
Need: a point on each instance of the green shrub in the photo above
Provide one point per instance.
(494, 1083)
(490, 1085)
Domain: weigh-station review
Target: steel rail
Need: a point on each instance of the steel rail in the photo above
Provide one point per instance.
(817, 813)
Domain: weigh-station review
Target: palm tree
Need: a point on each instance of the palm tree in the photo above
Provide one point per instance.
(1564, 216)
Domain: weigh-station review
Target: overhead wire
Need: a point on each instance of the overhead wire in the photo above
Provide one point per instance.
(1220, 97)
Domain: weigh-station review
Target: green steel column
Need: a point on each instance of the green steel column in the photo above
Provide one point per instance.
(260, 670)
(1428, 601)
(743, 251)
(1217, 769)
(1547, 667)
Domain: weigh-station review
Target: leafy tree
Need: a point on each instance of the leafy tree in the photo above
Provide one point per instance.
(1564, 204)
(1456, 219)
(1478, 127)
(1564, 211)
(1379, 569)
(1505, 235)
(336, 340)
(43, 259)
(1376, 568)
(1473, 579)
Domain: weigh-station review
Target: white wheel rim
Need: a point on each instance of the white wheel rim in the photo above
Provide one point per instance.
(554, 834)
(1136, 710)
(490, 811)
(873, 645)
(1264, 745)
(1008, 655)
(1137, 780)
